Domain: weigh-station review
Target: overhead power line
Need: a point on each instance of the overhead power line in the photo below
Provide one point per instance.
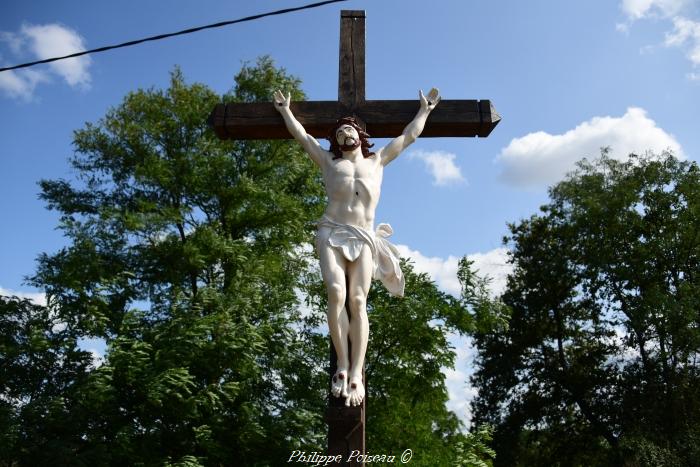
(179, 33)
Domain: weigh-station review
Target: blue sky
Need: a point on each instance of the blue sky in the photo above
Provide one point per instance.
(568, 77)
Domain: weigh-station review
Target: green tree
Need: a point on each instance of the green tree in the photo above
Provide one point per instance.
(39, 364)
(599, 363)
(408, 349)
(184, 256)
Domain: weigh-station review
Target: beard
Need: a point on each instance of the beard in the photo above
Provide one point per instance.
(350, 147)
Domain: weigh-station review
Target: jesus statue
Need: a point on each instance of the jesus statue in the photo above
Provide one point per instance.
(346, 242)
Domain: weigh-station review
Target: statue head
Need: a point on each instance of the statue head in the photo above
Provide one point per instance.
(347, 135)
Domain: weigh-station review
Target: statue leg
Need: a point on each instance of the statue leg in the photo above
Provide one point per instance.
(333, 271)
(359, 281)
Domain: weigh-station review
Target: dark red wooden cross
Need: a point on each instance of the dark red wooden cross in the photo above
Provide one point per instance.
(382, 119)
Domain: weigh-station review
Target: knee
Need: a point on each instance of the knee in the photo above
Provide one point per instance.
(358, 302)
(336, 294)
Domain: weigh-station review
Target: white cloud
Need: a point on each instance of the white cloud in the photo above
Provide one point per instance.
(14, 41)
(685, 33)
(441, 166)
(97, 358)
(40, 42)
(542, 158)
(623, 28)
(53, 40)
(96, 347)
(21, 84)
(493, 264)
(36, 297)
(456, 380)
(443, 271)
(637, 9)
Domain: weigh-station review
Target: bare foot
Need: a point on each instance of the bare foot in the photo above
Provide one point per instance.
(339, 387)
(356, 391)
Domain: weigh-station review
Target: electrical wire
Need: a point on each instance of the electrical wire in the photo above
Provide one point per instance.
(179, 33)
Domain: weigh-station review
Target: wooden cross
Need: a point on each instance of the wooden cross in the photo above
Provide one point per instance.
(381, 119)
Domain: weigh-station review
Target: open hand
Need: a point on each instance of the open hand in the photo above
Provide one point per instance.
(431, 100)
(281, 101)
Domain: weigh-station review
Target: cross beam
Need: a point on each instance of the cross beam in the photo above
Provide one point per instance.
(382, 118)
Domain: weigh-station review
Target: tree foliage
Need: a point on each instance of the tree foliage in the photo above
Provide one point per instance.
(184, 257)
(39, 364)
(409, 347)
(599, 365)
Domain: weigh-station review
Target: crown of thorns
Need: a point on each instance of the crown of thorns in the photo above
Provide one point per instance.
(364, 138)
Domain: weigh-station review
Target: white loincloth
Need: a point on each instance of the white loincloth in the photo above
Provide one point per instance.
(350, 239)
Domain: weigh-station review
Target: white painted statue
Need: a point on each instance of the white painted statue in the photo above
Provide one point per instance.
(346, 241)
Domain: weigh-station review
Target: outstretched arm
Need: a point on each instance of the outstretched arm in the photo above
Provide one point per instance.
(389, 152)
(308, 142)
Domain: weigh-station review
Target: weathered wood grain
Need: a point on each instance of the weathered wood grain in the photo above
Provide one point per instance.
(384, 119)
(351, 64)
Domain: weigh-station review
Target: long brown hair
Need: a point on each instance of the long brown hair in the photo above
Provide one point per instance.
(364, 138)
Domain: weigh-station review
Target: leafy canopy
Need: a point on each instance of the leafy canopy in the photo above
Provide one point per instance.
(599, 363)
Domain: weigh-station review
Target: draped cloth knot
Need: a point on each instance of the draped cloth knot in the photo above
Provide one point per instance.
(349, 239)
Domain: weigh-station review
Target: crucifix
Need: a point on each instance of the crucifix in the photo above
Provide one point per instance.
(350, 252)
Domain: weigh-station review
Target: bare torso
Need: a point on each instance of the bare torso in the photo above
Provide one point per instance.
(353, 185)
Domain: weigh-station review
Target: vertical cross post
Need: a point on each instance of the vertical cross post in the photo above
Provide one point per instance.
(346, 425)
(351, 69)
